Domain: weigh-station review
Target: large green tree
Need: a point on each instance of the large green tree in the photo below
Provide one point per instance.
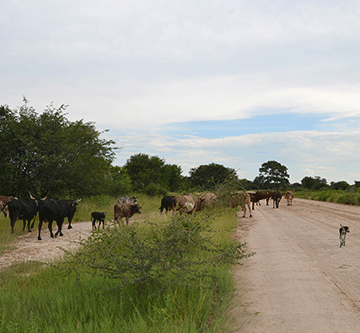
(145, 171)
(273, 175)
(46, 152)
(209, 176)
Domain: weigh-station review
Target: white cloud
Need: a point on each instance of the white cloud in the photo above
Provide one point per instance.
(136, 66)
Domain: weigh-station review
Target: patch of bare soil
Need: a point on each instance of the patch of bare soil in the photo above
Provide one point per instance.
(300, 280)
(28, 248)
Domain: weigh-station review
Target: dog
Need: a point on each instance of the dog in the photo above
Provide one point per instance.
(343, 231)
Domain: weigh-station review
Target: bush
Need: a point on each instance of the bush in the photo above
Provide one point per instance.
(173, 253)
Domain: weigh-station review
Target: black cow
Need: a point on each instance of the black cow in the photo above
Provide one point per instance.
(276, 197)
(97, 216)
(25, 210)
(168, 203)
(56, 210)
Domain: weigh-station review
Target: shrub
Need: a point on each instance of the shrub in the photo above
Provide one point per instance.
(177, 252)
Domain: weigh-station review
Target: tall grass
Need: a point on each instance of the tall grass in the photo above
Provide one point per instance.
(337, 196)
(39, 298)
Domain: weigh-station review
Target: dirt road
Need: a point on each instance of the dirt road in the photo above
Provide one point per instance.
(300, 280)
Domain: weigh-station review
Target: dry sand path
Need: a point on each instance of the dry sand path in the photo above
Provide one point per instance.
(300, 280)
(28, 248)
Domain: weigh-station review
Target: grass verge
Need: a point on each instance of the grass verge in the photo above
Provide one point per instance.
(73, 297)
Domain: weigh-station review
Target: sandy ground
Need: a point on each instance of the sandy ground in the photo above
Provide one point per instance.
(28, 248)
(300, 280)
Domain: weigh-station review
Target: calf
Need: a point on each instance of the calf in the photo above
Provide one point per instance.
(343, 231)
(97, 216)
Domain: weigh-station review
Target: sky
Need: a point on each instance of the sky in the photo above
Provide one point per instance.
(232, 82)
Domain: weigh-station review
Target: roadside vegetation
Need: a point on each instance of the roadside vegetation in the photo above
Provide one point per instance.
(337, 196)
(159, 274)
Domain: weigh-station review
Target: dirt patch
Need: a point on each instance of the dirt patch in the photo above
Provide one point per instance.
(28, 248)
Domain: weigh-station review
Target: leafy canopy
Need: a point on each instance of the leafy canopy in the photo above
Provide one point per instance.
(47, 152)
(273, 175)
(208, 176)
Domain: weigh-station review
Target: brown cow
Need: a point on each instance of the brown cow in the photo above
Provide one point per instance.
(264, 195)
(289, 196)
(184, 204)
(126, 210)
(260, 195)
(209, 199)
(4, 200)
(242, 200)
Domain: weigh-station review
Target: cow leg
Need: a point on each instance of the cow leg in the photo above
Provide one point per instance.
(93, 224)
(24, 224)
(40, 225)
(13, 219)
(59, 231)
(50, 229)
(28, 224)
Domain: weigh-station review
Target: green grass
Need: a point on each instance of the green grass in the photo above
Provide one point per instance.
(337, 196)
(39, 298)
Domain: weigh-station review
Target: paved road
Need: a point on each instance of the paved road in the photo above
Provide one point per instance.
(300, 280)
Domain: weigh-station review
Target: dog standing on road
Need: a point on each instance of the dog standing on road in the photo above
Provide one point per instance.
(343, 231)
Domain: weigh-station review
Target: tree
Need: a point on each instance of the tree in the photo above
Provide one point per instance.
(151, 172)
(314, 183)
(341, 185)
(208, 176)
(274, 175)
(119, 182)
(48, 153)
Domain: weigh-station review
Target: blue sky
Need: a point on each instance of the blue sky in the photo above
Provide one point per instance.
(237, 83)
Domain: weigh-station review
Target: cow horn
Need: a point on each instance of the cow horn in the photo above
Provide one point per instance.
(43, 199)
(31, 197)
(77, 201)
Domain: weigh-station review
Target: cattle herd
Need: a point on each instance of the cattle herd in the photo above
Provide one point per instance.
(57, 210)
